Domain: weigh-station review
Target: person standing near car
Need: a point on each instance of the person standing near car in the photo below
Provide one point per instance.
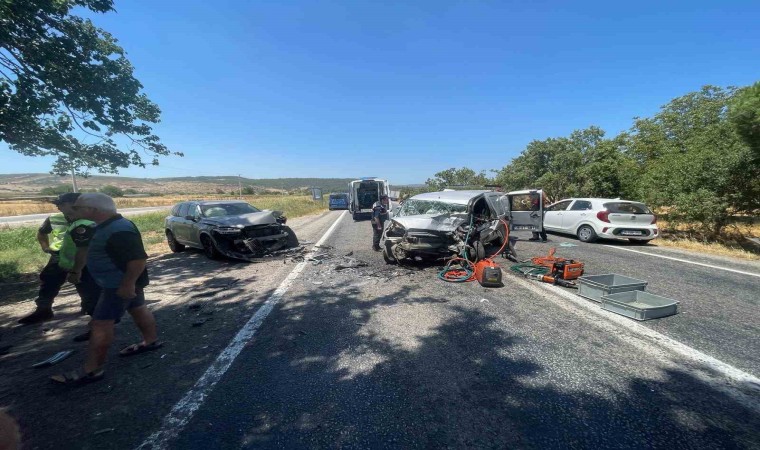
(536, 200)
(52, 277)
(379, 216)
(116, 260)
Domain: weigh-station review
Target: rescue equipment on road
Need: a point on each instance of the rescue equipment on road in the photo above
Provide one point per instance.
(551, 269)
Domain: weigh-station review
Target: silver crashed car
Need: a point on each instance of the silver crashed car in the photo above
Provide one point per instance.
(458, 223)
(231, 228)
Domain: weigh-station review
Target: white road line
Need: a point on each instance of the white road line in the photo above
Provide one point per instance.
(685, 261)
(739, 385)
(183, 411)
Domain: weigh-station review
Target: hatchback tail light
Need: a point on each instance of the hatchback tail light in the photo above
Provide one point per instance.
(603, 216)
(654, 219)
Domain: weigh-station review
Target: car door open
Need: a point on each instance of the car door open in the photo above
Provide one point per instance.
(525, 210)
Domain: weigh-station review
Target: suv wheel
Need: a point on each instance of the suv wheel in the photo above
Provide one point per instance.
(388, 255)
(292, 238)
(586, 234)
(209, 248)
(174, 246)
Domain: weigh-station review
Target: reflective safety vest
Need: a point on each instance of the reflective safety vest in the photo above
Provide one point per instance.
(68, 250)
(59, 224)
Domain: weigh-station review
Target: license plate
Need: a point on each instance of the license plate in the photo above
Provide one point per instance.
(630, 233)
(523, 227)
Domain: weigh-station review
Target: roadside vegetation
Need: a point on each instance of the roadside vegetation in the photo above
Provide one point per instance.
(21, 258)
(297, 203)
(696, 163)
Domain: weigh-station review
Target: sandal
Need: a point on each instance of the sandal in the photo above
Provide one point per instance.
(78, 377)
(136, 349)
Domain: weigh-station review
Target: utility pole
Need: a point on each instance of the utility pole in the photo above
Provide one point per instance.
(74, 180)
(240, 186)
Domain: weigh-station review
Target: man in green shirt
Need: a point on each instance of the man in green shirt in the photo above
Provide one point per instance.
(61, 235)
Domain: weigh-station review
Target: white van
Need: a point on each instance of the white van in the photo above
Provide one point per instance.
(363, 193)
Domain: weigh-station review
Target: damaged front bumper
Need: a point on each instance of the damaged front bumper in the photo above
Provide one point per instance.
(423, 243)
(250, 243)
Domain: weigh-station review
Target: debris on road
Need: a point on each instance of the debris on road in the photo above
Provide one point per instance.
(55, 359)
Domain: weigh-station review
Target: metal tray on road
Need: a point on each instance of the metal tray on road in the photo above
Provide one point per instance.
(593, 287)
(640, 305)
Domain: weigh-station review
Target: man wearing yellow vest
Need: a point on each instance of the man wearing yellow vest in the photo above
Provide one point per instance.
(58, 236)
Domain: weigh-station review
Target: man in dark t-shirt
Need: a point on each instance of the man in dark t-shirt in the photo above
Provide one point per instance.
(116, 260)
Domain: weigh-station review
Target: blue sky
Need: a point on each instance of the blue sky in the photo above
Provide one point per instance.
(404, 89)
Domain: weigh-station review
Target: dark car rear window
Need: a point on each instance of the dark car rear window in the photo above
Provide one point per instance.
(627, 208)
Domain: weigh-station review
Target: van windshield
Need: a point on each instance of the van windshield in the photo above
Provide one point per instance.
(627, 208)
(413, 207)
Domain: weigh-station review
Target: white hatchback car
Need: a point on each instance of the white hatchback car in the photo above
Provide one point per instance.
(593, 218)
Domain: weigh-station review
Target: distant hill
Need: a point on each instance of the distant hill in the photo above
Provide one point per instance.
(32, 183)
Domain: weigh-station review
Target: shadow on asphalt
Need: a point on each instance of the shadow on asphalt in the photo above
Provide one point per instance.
(460, 385)
(457, 386)
(195, 318)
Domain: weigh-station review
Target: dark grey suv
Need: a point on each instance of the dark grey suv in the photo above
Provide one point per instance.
(231, 228)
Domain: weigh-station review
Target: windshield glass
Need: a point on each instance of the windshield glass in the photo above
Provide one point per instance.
(627, 208)
(227, 209)
(413, 207)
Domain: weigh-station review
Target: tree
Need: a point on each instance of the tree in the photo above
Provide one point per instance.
(457, 177)
(112, 191)
(67, 90)
(582, 164)
(248, 190)
(744, 113)
(694, 163)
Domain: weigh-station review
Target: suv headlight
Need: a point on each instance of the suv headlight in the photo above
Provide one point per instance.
(228, 230)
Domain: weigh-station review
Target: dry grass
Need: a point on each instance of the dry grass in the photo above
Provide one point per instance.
(732, 242)
(283, 202)
(710, 248)
(20, 254)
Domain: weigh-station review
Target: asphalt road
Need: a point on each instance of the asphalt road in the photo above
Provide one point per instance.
(407, 361)
(32, 219)
(334, 354)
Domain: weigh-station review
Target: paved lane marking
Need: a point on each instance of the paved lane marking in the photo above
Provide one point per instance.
(685, 261)
(737, 384)
(184, 410)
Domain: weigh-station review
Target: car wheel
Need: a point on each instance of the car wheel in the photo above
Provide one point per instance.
(638, 241)
(586, 234)
(209, 248)
(476, 252)
(174, 246)
(387, 256)
(292, 238)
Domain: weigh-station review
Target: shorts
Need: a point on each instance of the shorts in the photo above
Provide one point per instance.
(111, 307)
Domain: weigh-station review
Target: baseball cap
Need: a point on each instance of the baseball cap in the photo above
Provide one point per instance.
(69, 197)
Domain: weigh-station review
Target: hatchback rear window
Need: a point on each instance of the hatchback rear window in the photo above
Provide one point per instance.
(627, 208)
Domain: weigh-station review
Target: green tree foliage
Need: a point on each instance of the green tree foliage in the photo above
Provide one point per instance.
(457, 177)
(585, 163)
(68, 90)
(694, 161)
(248, 190)
(744, 113)
(112, 191)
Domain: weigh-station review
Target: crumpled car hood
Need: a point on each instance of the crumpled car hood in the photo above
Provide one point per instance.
(443, 222)
(244, 220)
